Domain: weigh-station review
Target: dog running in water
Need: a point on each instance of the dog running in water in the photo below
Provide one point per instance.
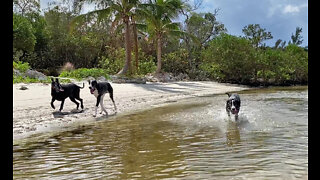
(99, 89)
(233, 104)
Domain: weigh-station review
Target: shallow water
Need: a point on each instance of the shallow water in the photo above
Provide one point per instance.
(192, 139)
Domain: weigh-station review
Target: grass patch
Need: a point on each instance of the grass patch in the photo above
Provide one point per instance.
(82, 73)
(21, 79)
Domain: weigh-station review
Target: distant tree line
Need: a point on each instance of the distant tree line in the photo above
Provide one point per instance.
(139, 37)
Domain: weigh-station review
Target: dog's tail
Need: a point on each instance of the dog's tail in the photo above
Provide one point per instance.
(228, 94)
(81, 87)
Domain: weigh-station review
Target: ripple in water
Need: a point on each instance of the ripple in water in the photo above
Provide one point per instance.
(194, 139)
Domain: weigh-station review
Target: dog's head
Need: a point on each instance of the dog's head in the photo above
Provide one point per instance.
(233, 103)
(92, 85)
(56, 86)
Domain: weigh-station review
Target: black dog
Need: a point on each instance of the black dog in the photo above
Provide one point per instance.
(233, 104)
(61, 92)
(99, 90)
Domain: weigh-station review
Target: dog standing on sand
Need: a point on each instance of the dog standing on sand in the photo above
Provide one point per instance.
(233, 104)
(99, 89)
(61, 92)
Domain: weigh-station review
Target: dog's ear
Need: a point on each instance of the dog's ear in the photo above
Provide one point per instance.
(52, 80)
(57, 80)
(228, 94)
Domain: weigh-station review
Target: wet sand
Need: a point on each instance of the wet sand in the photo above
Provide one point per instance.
(33, 114)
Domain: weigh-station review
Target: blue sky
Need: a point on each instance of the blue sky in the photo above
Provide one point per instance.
(280, 17)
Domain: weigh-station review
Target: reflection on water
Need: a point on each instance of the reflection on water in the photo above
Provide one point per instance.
(188, 140)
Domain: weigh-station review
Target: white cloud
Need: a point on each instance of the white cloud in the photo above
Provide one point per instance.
(290, 9)
(293, 9)
(283, 7)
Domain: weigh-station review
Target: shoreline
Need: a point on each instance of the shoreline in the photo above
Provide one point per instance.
(32, 113)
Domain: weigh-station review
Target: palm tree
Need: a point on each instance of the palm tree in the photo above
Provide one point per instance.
(121, 10)
(159, 15)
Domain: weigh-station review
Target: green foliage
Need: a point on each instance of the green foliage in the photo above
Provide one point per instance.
(176, 62)
(21, 66)
(96, 46)
(233, 59)
(146, 67)
(204, 26)
(297, 38)
(22, 79)
(23, 33)
(231, 56)
(212, 70)
(256, 34)
(81, 73)
(146, 64)
(114, 61)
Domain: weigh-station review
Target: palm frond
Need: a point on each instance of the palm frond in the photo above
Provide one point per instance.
(141, 26)
(81, 19)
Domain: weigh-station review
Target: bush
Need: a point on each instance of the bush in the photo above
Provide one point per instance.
(21, 79)
(213, 71)
(176, 62)
(230, 58)
(115, 60)
(21, 66)
(234, 59)
(284, 66)
(146, 64)
(81, 73)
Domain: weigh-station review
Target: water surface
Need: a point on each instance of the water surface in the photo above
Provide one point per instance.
(192, 139)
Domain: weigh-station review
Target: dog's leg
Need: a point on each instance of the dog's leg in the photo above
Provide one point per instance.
(61, 106)
(81, 101)
(97, 105)
(101, 103)
(228, 112)
(236, 117)
(102, 106)
(111, 97)
(78, 97)
(95, 113)
(52, 100)
(73, 100)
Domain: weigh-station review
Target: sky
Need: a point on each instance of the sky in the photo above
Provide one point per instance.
(280, 17)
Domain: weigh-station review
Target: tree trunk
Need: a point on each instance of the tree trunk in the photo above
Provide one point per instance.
(135, 36)
(158, 55)
(127, 65)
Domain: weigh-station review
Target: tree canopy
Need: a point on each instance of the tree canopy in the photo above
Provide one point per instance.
(153, 32)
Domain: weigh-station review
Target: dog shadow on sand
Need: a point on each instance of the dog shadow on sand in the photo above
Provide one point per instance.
(58, 114)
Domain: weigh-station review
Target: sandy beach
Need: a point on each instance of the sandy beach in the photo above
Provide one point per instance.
(33, 114)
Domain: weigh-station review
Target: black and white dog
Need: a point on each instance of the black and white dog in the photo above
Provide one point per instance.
(99, 89)
(61, 92)
(233, 104)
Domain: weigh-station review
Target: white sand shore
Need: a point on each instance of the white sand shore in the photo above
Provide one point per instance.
(33, 114)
